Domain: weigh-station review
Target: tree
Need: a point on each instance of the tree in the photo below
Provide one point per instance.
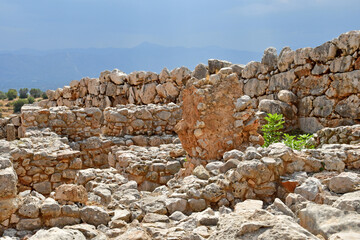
(2, 95)
(31, 99)
(23, 92)
(44, 95)
(35, 92)
(11, 94)
(18, 104)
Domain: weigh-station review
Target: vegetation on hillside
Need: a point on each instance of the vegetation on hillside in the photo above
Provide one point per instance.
(12, 100)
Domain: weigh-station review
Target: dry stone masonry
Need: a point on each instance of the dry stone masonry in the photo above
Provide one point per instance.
(116, 87)
(177, 155)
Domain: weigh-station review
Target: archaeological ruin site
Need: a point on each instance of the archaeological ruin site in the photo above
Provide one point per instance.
(178, 155)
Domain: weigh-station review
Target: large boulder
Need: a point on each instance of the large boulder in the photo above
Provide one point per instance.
(348, 202)
(326, 220)
(344, 182)
(58, 234)
(256, 223)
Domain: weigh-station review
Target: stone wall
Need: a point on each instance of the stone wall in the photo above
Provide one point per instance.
(150, 167)
(9, 127)
(76, 124)
(266, 173)
(217, 117)
(81, 123)
(313, 87)
(339, 135)
(115, 87)
(141, 120)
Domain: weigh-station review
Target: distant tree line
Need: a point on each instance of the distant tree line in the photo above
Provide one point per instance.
(25, 96)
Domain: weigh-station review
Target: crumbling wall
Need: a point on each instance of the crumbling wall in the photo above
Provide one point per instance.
(338, 135)
(81, 123)
(141, 120)
(216, 117)
(150, 167)
(9, 127)
(116, 87)
(313, 87)
(76, 124)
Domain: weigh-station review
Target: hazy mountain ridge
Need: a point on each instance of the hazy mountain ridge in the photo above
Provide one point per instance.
(55, 68)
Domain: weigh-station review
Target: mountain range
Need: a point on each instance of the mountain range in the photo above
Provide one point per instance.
(51, 69)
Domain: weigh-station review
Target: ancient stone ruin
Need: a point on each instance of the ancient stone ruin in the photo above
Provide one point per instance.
(178, 155)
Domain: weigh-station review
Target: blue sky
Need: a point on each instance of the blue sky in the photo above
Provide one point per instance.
(243, 24)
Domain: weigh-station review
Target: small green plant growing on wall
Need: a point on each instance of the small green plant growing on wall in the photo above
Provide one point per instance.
(272, 130)
(298, 142)
(273, 133)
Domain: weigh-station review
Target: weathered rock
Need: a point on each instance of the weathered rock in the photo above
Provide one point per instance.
(310, 124)
(341, 64)
(326, 220)
(270, 58)
(57, 234)
(348, 202)
(71, 192)
(287, 96)
(344, 182)
(282, 81)
(254, 87)
(201, 172)
(323, 106)
(324, 52)
(349, 107)
(118, 77)
(344, 84)
(8, 207)
(348, 42)
(302, 55)
(278, 208)
(214, 110)
(200, 71)
(50, 208)
(175, 204)
(121, 215)
(309, 189)
(29, 224)
(8, 179)
(30, 207)
(148, 93)
(258, 224)
(94, 215)
(134, 234)
(215, 65)
(10, 132)
(276, 106)
(286, 58)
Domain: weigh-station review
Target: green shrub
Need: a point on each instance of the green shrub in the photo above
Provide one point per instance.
(11, 94)
(298, 142)
(2, 95)
(23, 93)
(31, 99)
(18, 104)
(272, 130)
(273, 133)
(35, 92)
(44, 96)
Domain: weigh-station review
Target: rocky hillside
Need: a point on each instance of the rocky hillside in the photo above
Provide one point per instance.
(178, 155)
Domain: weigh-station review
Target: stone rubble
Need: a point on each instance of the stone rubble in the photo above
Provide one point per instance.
(99, 160)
